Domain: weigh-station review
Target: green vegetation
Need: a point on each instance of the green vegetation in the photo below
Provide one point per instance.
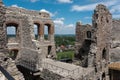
(59, 39)
(64, 40)
(66, 54)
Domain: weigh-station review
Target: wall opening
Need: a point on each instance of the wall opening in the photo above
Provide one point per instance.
(13, 54)
(96, 25)
(36, 31)
(46, 32)
(103, 76)
(96, 16)
(107, 20)
(88, 34)
(104, 55)
(49, 50)
(12, 32)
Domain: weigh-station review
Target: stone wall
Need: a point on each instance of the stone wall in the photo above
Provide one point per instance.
(115, 44)
(102, 25)
(83, 42)
(2, 29)
(48, 75)
(6, 62)
(23, 20)
(98, 45)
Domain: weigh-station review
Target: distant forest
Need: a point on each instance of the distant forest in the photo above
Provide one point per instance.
(64, 40)
(67, 39)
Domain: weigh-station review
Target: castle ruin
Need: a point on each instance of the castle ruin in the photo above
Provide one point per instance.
(35, 56)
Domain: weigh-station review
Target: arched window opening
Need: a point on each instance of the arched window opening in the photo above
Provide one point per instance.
(13, 54)
(47, 31)
(49, 52)
(88, 34)
(36, 31)
(12, 32)
(104, 55)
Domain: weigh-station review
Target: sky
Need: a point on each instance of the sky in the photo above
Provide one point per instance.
(65, 13)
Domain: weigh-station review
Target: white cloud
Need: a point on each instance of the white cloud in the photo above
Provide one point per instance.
(70, 26)
(91, 7)
(116, 16)
(34, 0)
(59, 22)
(44, 10)
(115, 9)
(51, 14)
(14, 5)
(60, 26)
(65, 1)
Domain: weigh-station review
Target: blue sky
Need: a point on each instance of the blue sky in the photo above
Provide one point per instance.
(65, 13)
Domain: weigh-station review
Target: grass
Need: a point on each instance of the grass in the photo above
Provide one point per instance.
(66, 54)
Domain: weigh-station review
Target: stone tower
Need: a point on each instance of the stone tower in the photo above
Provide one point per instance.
(2, 29)
(102, 24)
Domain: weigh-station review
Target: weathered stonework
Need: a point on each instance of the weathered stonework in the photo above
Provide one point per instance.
(93, 43)
(83, 42)
(115, 42)
(98, 43)
(30, 51)
(23, 20)
(2, 29)
(7, 65)
(102, 25)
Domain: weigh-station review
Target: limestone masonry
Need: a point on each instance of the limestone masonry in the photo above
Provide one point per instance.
(97, 47)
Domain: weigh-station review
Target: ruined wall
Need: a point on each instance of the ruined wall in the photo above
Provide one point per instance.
(28, 47)
(41, 19)
(115, 43)
(6, 62)
(50, 75)
(28, 55)
(30, 50)
(2, 29)
(98, 45)
(102, 25)
(83, 42)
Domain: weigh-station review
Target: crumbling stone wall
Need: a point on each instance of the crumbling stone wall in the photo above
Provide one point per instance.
(115, 43)
(30, 51)
(83, 42)
(6, 62)
(102, 25)
(41, 19)
(2, 29)
(23, 20)
(99, 46)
